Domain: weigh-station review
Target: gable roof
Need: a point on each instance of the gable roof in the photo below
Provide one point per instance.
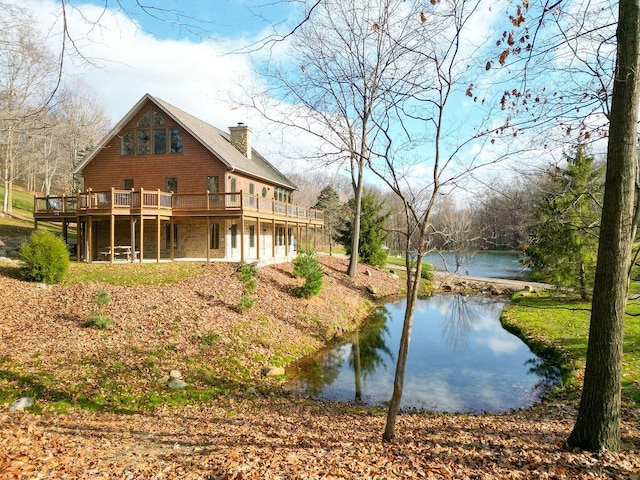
(212, 138)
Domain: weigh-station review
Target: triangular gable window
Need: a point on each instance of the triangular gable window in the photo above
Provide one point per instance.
(158, 120)
(144, 121)
(151, 139)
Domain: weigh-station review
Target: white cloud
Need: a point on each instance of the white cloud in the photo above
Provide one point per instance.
(121, 62)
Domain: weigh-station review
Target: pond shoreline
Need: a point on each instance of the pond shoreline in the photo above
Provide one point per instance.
(450, 282)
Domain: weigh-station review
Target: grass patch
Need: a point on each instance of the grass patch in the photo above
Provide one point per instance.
(335, 249)
(132, 273)
(21, 199)
(557, 327)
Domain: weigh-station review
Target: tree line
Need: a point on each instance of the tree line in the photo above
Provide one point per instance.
(552, 215)
(46, 124)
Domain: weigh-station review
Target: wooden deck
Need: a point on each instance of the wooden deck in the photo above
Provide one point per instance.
(156, 202)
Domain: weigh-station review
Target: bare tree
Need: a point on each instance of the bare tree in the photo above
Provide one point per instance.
(348, 73)
(455, 228)
(27, 77)
(444, 161)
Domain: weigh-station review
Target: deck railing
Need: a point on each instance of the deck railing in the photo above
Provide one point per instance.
(125, 201)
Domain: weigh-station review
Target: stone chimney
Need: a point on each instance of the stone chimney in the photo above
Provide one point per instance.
(241, 139)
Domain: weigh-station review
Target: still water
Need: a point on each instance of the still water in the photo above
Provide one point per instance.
(495, 264)
(460, 360)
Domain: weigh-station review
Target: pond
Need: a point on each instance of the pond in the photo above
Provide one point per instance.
(492, 264)
(460, 360)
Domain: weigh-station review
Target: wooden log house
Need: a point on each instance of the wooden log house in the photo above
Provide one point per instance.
(165, 185)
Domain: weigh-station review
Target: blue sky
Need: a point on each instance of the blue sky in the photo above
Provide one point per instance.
(198, 19)
(131, 53)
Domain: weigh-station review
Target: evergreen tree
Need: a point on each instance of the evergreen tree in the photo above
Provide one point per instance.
(564, 238)
(372, 232)
(329, 203)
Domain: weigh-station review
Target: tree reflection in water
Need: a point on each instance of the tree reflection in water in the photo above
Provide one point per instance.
(364, 352)
(461, 314)
(367, 348)
(460, 360)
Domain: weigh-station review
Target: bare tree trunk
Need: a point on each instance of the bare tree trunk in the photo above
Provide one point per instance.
(355, 240)
(598, 424)
(7, 200)
(413, 285)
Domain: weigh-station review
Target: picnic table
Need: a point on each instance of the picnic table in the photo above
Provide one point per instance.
(120, 251)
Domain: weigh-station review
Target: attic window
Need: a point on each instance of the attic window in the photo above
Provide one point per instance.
(158, 120)
(176, 141)
(126, 144)
(144, 121)
(144, 141)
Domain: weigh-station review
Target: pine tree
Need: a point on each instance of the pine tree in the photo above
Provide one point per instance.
(372, 232)
(564, 239)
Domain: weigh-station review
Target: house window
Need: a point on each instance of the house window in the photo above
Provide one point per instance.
(252, 189)
(126, 144)
(234, 234)
(252, 236)
(215, 236)
(159, 141)
(281, 195)
(213, 184)
(176, 141)
(167, 235)
(144, 121)
(127, 184)
(264, 192)
(279, 236)
(144, 142)
(158, 120)
(234, 186)
(171, 184)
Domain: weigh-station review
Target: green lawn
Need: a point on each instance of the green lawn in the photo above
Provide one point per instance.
(556, 327)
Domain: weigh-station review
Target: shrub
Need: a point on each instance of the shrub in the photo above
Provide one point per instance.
(245, 303)
(45, 258)
(306, 265)
(99, 322)
(97, 319)
(247, 275)
(427, 271)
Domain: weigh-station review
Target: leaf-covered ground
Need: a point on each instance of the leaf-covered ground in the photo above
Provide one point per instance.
(130, 427)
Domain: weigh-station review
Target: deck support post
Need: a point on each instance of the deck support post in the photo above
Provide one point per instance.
(141, 233)
(79, 240)
(89, 235)
(273, 239)
(208, 245)
(242, 238)
(258, 238)
(132, 229)
(158, 234)
(112, 234)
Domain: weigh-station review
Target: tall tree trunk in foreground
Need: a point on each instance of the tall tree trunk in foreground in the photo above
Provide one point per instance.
(598, 424)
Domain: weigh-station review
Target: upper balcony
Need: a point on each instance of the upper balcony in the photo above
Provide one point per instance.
(156, 202)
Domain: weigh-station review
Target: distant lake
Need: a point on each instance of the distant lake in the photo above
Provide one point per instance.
(492, 264)
(460, 360)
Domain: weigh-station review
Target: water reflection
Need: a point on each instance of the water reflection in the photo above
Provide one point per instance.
(460, 360)
(368, 349)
